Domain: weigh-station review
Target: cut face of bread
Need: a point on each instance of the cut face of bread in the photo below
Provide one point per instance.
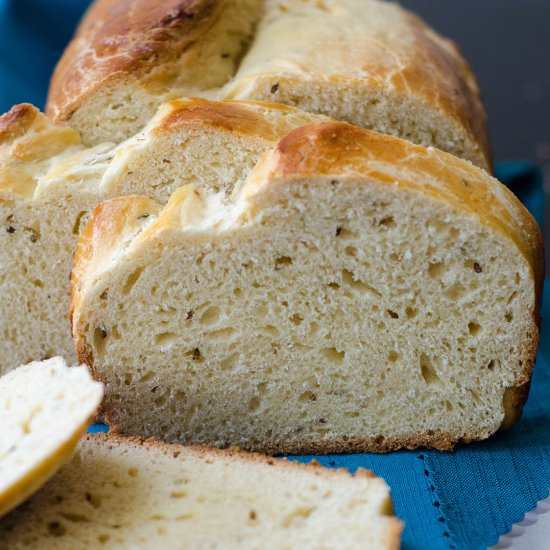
(45, 407)
(49, 182)
(360, 294)
(367, 62)
(127, 493)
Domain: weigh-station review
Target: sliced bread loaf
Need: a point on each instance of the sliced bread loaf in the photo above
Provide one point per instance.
(45, 407)
(49, 182)
(360, 294)
(368, 62)
(128, 493)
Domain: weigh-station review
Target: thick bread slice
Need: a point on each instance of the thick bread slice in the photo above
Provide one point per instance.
(361, 294)
(49, 182)
(128, 493)
(368, 62)
(45, 407)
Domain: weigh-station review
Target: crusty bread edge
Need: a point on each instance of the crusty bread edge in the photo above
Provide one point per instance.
(173, 450)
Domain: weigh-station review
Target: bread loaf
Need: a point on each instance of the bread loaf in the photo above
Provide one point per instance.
(44, 410)
(367, 62)
(128, 493)
(49, 182)
(360, 293)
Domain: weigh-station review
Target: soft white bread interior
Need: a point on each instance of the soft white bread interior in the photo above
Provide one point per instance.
(127, 493)
(45, 407)
(368, 62)
(360, 294)
(49, 182)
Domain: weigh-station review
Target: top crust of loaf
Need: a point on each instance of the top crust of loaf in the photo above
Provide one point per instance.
(125, 39)
(258, 119)
(137, 44)
(28, 140)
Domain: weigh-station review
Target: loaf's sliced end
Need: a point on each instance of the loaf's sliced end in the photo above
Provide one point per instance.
(362, 294)
(211, 144)
(389, 110)
(45, 407)
(127, 492)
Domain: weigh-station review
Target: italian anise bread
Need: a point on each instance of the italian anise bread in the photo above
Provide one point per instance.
(44, 410)
(49, 182)
(129, 493)
(368, 62)
(360, 293)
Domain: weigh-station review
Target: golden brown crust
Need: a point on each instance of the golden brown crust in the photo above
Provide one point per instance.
(106, 229)
(124, 39)
(17, 121)
(28, 140)
(231, 116)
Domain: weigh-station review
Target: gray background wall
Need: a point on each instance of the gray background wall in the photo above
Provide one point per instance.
(508, 45)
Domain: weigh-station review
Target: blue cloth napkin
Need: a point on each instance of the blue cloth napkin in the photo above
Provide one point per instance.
(459, 500)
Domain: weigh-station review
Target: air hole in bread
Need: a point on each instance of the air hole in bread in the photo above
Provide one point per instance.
(307, 397)
(474, 328)
(254, 405)
(388, 221)
(94, 499)
(56, 529)
(411, 312)
(455, 292)
(132, 280)
(345, 234)
(436, 270)
(333, 355)
(166, 340)
(100, 335)
(210, 316)
(429, 374)
(78, 223)
(223, 334)
(393, 356)
(296, 319)
(282, 262)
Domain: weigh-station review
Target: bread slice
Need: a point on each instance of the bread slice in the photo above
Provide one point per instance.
(360, 294)
(49, 182)
(368, 62)
(129, 493)
(44, 410)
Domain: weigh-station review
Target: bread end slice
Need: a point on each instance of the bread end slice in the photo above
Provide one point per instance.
(122, 492)
(45, 407)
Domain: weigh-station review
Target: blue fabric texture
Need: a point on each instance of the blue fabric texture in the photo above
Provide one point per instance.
(464, 499)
